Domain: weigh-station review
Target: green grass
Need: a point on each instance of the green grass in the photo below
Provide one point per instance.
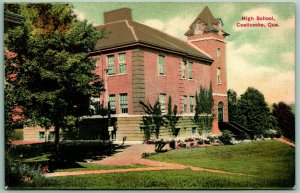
(271, 163)
(77, 166)
(92, 166)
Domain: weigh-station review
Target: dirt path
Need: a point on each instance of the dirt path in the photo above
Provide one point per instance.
(132, 155)
(283, 140)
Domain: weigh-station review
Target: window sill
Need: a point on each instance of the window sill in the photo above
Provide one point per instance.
(110, 75)
(163, 75)
(120, 74)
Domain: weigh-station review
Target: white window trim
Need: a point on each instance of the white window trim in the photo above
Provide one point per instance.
(119, 63)
(110, 64)
(121, 103)
(163, 66)
(109, 97)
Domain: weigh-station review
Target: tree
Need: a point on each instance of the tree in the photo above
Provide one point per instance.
(254, 113)
(172, 118)
(153, 120)
(232, 105)
(204, 104)
(54, 78)
(285, 119)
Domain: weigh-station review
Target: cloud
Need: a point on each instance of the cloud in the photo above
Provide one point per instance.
(288, 58)
(275, 84)
(176, 26)
(79, 15)
(248, 48)
(155, 23)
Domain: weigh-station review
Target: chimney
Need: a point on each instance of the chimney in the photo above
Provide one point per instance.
(117, 15)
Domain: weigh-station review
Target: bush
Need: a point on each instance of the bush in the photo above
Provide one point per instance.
(226, 137)
(200, 142)
(172, 144)
(159, 145)
(18, 174)
(206, 141)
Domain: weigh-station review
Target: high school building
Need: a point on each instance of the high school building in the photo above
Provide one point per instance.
(140, 63)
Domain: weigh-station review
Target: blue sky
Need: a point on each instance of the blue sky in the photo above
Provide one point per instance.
(263, 58)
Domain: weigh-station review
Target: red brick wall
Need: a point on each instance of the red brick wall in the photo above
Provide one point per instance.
(117, 83)
(209, 43)
(171, 83)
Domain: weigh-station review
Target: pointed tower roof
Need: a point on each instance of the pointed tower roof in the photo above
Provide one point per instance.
(212, 24)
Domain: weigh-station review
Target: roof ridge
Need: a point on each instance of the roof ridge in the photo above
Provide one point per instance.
(132, 30)
(185, 42)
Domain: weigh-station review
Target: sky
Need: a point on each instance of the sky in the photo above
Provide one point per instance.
(259, 57)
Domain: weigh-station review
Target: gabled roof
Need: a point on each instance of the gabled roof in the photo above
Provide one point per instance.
(206, 17)
(127, 32)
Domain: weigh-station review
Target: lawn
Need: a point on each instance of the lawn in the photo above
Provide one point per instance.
(272, 164)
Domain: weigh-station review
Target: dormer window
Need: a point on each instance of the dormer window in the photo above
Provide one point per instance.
(199, 27)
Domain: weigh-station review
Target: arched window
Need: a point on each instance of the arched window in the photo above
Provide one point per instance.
(220, 112)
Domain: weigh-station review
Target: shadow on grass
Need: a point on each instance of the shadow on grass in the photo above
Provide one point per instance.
(67, 154)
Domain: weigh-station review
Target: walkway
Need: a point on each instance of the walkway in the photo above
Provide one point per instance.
(132, 155)
(285, 141)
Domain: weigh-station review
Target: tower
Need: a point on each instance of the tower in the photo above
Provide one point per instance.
(206, 33)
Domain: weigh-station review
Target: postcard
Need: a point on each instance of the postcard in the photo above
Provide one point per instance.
(149, 95)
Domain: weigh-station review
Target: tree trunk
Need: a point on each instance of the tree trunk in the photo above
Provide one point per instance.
(56, 132)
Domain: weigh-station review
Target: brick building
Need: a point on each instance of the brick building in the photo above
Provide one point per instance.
(139, 63)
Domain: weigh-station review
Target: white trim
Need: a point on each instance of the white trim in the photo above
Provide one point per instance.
(132, 30)
(219, 94)
(202, 39)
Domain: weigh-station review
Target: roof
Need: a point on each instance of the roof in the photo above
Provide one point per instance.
(128, 32)
(212, 23)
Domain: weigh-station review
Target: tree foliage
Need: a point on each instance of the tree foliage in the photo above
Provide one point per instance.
(285, 119)
(251, 111)
(172, 118)
(54, 78)
(153, 120)
(232, 105)
(204, 104)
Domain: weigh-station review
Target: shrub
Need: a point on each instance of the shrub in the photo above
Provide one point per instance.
(200, 142)
(172, 144)
(159, 145)
(18, 174)
(226, 137)
(206, 141)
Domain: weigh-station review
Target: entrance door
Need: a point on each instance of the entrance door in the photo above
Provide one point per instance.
(220, 112)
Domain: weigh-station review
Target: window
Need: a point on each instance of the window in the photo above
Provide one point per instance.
(123, 103)
(112, 103)
(162, 102)
(184, 105)
(51, 136)
(161, 65)
(190, 70)
(183, 69)
(110, 63)
(122, 63)
(218, 52)
(219, 76)
(192, 104)
(42, 135)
